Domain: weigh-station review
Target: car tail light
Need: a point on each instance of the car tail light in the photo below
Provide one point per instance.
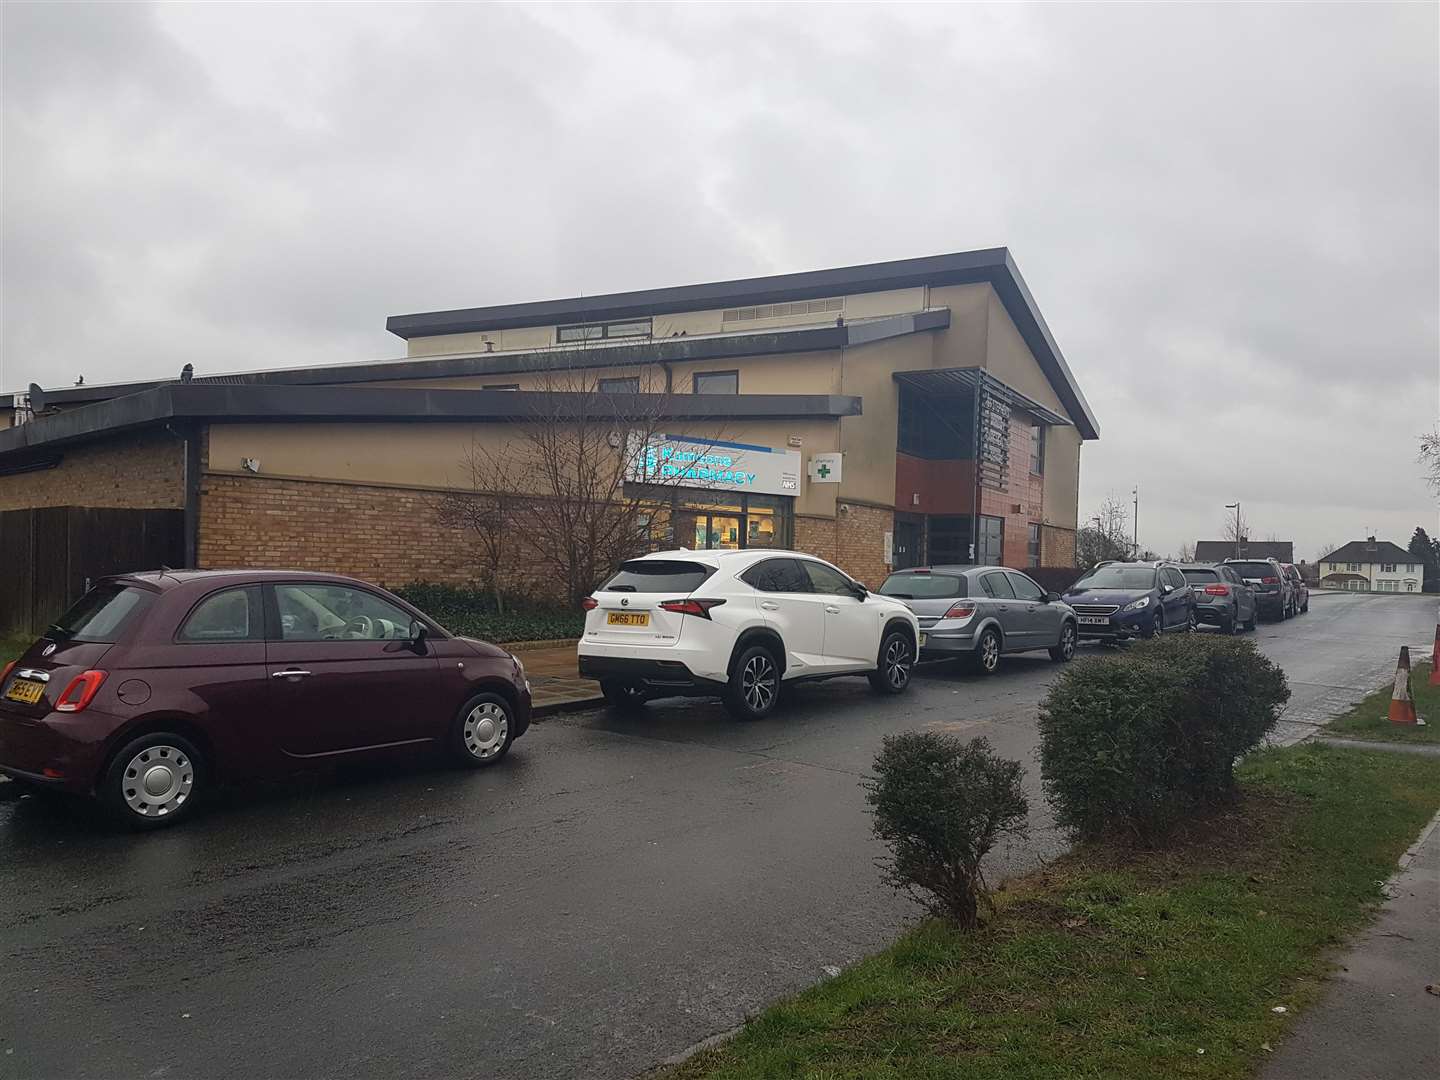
(691, 607)
(960, 611)
(1269, 581)
(5, 674)
(80, 692)
(1217, 590)
(589, 604)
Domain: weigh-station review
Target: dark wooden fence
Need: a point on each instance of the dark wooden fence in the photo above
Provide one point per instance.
(49, 555)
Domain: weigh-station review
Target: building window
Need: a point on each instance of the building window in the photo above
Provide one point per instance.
(1034, 544)
(620, 386)
(1409, 585)
(1387, 568)
(717, 382)
(782, 311)
(1409, 568)
(1037, 453)
(501, 386)
(1352, 566)
(629, 328)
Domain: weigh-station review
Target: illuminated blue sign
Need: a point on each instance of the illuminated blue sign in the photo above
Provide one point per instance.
(727, 466)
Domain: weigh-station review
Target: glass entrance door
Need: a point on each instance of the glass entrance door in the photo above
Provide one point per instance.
(992, 541)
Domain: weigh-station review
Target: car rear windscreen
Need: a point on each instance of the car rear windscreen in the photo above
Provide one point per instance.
(1117, 577)
(1253, 569)
(658, 575)
(102, 613)
(923, 586)
(1200, 575)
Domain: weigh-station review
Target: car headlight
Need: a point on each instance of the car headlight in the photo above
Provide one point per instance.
(1137, 605)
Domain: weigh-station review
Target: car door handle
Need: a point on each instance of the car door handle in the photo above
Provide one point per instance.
(769, 605)
(832, 610)
(291, 673)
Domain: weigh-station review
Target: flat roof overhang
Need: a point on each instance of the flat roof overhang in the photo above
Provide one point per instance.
(993, 266)
(968, 380)
(184, 403)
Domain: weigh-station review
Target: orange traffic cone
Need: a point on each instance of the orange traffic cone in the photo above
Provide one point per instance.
(1435, 659)
(1402, 705)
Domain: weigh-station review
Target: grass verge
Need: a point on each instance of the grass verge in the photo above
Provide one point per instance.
(1108, 963)
(1371, 718)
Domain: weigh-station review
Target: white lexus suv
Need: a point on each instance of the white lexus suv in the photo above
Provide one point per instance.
(739, 624)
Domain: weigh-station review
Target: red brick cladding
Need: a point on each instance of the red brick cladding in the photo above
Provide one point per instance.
(945, 486)
(140, 472)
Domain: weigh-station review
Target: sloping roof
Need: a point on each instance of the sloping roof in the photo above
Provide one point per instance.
(1216, 550)
(1370, 551)
(177, 402)
(991, 265)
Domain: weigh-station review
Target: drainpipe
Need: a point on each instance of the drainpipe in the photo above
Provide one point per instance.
(190, 449)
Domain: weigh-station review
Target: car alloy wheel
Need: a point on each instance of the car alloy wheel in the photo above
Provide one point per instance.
(1194, 626)
(895, 663)
(157, 781)
(485, 730)
(1064, 651)
(758, 680)
(987, 653)
(1157, 628)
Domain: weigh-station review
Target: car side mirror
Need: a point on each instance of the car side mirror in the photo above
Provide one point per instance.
(1166, 590)
(1051, 597)
(859, 591)
(418, 633)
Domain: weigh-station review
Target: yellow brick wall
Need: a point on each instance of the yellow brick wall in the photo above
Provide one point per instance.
(139, 472)
(853, 541)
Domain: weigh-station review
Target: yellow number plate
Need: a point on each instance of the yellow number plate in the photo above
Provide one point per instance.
(628, 618)
(25, 691)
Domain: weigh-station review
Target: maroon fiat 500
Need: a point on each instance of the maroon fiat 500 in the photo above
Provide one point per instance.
(155, 686)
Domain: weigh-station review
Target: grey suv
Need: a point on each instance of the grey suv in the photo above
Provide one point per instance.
(979, 612)
(1221, 596)
(1274, 592)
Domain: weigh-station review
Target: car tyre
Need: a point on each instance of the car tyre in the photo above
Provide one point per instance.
(1229, 625)
(754, 687)
(1064, 652)
(1157, 627)
(986, 658)
(1253, 621)
(896, 661)
(483, 730)
(625, 695)
(1193, 627)
(153, 781)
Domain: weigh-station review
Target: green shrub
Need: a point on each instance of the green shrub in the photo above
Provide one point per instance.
(471, 612)
(1130, 742)
(941, 804)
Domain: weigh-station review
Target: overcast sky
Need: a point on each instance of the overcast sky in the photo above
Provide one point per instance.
(1230, 215)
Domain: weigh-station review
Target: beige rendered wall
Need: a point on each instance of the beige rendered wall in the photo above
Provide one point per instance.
(1062, 477)
(430, 456)
(1009, 359)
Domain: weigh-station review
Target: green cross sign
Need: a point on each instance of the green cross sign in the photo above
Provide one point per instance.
(823, 470)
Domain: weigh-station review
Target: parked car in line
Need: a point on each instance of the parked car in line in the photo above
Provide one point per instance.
(1299, 591)
(155, 686)
(1274, 592)
(1221, 596)
(1116, 601)
(980, 612)
(740, 625)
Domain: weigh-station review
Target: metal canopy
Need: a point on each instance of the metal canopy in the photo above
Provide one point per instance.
(968, 380)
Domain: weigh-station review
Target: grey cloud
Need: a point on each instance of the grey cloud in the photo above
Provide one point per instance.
(1229, 214)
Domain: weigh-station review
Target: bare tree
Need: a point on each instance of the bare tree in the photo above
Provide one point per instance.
(1187, 553)
(1325, 549)
(1104, 536)
(483, 511)
(1236, 528)
(1430, 458)
(583, 480)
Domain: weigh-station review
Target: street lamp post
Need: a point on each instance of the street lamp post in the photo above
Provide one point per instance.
(1236, 507)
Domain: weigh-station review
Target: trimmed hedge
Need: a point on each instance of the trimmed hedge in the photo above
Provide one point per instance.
(472, 612)
(1133, 741)
(940, 805)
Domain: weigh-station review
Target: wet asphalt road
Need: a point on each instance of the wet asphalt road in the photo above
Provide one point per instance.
(616, 891)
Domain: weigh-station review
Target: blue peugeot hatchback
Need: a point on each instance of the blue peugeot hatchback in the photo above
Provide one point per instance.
(1121, 600)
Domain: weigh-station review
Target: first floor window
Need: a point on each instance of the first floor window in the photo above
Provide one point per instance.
(620, 386)
(1387, 568)
(1034, 544)
(717, 382)
(1037, 452)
